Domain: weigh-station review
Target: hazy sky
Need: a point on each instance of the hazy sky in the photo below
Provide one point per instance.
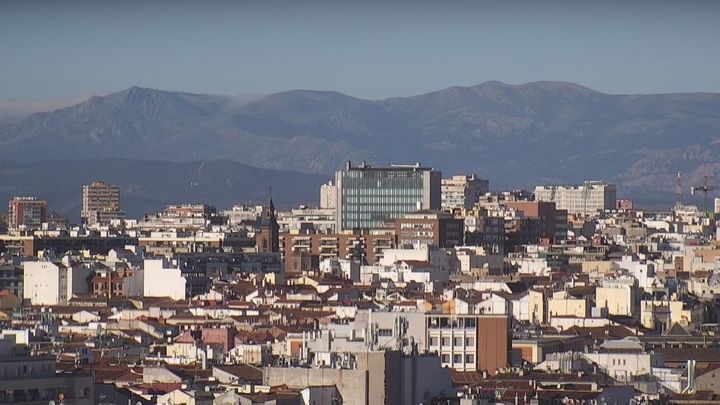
(369, 49)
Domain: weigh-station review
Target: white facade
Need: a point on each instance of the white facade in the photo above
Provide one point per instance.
(157, 279)
(461, 192)
(623, 366)
(53, 283)
(585, 199)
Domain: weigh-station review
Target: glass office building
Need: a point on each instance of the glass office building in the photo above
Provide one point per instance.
(368, 197)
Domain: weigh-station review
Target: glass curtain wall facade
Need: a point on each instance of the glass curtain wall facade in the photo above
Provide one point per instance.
(368, 197)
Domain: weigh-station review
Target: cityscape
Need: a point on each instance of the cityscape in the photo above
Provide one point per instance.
(359, 203)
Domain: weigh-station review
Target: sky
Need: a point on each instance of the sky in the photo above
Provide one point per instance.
(368, 49)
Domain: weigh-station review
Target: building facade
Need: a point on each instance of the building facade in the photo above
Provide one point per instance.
(305, 251)
(100, 203)
(462, 192)
(583, 199)
(328, 196)
(368, 197)
(53, 283)
(27, 213)
(429, 227)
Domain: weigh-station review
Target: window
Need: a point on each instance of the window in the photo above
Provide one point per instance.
(469, 342)
(385, 332)
(458, 341)
(457, 358)
(469, 358)
(446, 341)
(433, 341)
(445, 358)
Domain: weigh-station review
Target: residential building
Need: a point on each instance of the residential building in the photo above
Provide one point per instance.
(157, 278)
(54, 283)
(100, 203)
(328, 196)
(429, 227)
(584, 199)
(26, 213)
(470, 342)
(462, 192)
(33, 380)
(302, 251)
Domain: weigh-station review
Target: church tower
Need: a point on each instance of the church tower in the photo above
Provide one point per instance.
(267, 238)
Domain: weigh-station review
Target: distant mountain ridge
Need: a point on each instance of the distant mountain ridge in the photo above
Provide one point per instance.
(146, 187)
(516, 135)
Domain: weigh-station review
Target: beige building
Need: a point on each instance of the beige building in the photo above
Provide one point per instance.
(584, 199)
(537, 307)
(328, 196)
(662, 314)
(599, 267)
(100, 203)
(562, 304)
(618, 296)
(462, 192)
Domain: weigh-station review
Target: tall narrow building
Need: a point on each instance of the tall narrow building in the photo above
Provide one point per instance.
(100, 203)
(267, 238)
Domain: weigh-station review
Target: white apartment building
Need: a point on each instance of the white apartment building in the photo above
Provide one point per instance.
(53, 283)
(583, 199)
(157, 279)
(461, 192)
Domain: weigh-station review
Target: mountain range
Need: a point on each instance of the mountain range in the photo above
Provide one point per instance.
(515, 135)
(146, 187)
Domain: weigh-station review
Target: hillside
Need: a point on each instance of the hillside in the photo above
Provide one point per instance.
(516, 135)
(147, 186)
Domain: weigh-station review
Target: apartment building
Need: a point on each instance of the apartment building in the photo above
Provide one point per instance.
(32, 379)
(54, 283)
(583, 199)
(26, 213)
(462, 192)
(328, 196)
(100, 203)
(301, 251)
(429, 227)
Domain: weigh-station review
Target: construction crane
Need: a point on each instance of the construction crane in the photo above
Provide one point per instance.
(679, 191)
(704, 188)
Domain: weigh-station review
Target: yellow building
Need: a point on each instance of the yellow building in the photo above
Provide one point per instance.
(562, 304)
(601, 267)
(662, 314)
(536, 304)
(618, 296)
